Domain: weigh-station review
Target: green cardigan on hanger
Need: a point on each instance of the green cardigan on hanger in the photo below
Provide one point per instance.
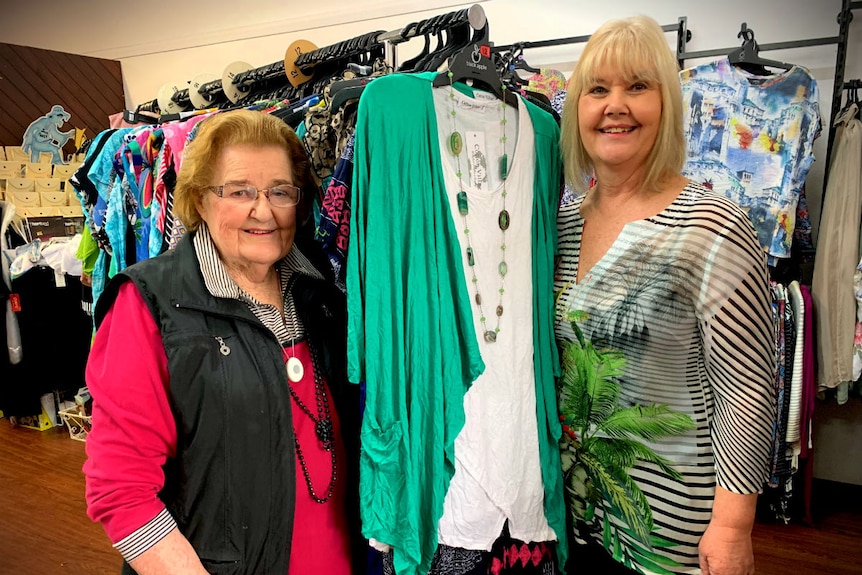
(410, 327)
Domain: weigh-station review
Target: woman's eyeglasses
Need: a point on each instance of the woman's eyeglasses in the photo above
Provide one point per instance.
(280, 196)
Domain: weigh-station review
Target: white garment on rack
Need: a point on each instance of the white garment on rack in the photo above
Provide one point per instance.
(13, 332)
(57, 254)
(60, 254)
(837, 257)
(497, 469)
(794, 447)
(7, 211)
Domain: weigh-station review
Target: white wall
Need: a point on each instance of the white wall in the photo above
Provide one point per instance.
(174, 41)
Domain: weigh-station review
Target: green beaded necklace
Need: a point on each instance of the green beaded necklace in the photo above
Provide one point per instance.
(456, 145)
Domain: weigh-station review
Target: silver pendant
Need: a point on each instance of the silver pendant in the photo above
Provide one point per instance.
(223, 348)
(295, 371)
(490, 336)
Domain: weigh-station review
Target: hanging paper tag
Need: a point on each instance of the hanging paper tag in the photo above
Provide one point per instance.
(15, 300)
(59, 279)
(477, 160)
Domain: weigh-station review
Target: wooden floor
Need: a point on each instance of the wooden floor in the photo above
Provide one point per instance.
(44, 528)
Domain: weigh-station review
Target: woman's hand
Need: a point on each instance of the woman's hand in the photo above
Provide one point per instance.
(726, 551)
(725, 548)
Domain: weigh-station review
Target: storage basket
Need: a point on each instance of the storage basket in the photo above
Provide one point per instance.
(79, 425)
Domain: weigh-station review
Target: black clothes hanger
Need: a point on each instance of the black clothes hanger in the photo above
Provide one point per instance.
(538, 97)
(544, 103)
(457, 38)
(508, 63)
(423, 64)
(329, 62)
(412, 29)
(146, 113)
(336, 56)
(857, 86)
(511, 72)
(458, 32)
(214, 92)
(474, 67)
(852, 88)
(342, 91)
(521, 64)
(513, 60)
(748, 57)
(426, 28)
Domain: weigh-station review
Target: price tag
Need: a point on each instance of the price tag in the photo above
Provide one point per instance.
(15, 300)
(477, 163)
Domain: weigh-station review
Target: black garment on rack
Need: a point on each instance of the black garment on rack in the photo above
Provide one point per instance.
(783, 470)
(5, 366)
(55, 339)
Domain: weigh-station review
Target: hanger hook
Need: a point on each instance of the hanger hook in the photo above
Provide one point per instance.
(746, 33)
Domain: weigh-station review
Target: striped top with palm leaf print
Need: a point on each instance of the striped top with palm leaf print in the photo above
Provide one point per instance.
(671, 333)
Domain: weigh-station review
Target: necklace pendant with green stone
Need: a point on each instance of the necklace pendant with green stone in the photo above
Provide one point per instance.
(503, 220)
(456, 143)
(463, 207)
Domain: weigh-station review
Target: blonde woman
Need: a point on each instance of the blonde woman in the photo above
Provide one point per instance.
(665, 324)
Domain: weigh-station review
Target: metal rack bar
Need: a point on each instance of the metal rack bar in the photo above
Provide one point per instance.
(564, 41)
(763, 47)
(844, 19)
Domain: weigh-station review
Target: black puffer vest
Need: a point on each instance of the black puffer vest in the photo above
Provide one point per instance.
(231, 486)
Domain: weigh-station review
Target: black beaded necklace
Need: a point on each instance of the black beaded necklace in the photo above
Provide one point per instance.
(322, 427)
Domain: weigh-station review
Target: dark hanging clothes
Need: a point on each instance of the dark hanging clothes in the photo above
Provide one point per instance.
(55, 338)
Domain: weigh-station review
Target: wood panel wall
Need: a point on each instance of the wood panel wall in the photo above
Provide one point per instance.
(33, 80)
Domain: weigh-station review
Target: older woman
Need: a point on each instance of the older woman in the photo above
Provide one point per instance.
(223, 431)
(665, 325)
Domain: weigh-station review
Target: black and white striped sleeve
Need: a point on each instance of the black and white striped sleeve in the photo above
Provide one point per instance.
(739, 347)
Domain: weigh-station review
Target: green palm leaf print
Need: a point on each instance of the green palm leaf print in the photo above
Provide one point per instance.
(602, 441)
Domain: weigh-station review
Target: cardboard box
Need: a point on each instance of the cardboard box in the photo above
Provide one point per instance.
(39, 422)
(74, 225)
(47, 227)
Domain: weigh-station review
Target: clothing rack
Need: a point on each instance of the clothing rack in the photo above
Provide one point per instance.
(475, 16)
(845, 16)
(681, 29)
(387, 40)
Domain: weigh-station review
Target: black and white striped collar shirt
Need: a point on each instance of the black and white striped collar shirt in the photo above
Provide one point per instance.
(219, 284)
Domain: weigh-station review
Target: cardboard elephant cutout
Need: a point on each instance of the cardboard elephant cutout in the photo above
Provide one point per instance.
(44, 135)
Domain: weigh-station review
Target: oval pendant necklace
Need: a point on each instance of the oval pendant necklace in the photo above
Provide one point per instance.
(295, 370)
(503, 218)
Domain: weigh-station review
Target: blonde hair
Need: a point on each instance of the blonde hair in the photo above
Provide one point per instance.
(637, 49)
(237, 127)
